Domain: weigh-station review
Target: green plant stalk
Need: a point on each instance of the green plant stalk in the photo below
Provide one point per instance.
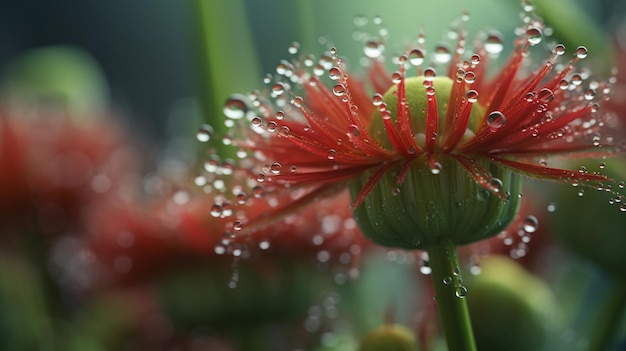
(453, 311)
(227, 59)
(609, 317)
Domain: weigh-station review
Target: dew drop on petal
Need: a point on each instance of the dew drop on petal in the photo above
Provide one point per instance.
(332, 153)
(581, 52)
(531, 223)
(396, 77)
(205, 132)
(278, 88)
(559, 49)
(276, 168)
(334, 73)
(533, 35)
(461, 291)
(377, 99)
(447, 280)
(354, 130)
(216, 210)
(429, 74)
(470, 77)
(339, 90)
(280, 115)
(472, 96)
(496, 120)
(475, 59)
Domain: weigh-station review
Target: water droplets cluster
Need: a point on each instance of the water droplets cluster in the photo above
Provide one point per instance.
(518, 235)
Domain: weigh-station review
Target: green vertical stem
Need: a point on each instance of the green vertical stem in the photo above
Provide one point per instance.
(227, 59)
(609, 316)
(453, 311)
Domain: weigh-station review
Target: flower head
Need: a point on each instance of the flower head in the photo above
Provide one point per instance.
(425, 142)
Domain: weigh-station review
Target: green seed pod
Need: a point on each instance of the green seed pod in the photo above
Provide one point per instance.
(439, 200)
(390, 337)
(509, 307)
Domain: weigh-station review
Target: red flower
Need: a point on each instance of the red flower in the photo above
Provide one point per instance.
(305, 148)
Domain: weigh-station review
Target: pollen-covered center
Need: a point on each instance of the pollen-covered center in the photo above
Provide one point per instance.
(414, 113)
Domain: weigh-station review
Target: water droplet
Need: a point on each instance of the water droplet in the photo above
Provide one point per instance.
(533, 35)
(581, 52)
(238, 225)
(602, 165)
(334, 73)
(435, 168)
(241, 198)
(377, 99)
(429, 74)
(577, 79)
(596, 140)
(425, 267)
(559, 49)
(373, 48)
(581, 192)
(278, 88)
(216, 210)
(470, 77)
(280, 115)
(496, 120)
(461, 291)
(395, 191)
(416, 57)
(622, 207)
(264, 244)
(475, 59)
(442, 54)
(447, 280)
(332, 153)
(297, 101)
(284, 131)
(590, 94)
(276, 168)
(339, 90)
(205, 132)
(531, 223)
(493, 43)
(496, 184)
(354, 130)
(235, 107)
(545, 95)
(396, 77)
(472, 96)
(294, 48)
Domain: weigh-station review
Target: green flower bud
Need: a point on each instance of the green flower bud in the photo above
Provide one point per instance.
(439, 200)
(508, 307)
(389, 337)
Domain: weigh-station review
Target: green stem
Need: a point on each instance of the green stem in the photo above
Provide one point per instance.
(609, 316)
(227, 58)
(450, 294)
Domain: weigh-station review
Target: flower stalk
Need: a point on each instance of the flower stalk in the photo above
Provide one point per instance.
(450, 296)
